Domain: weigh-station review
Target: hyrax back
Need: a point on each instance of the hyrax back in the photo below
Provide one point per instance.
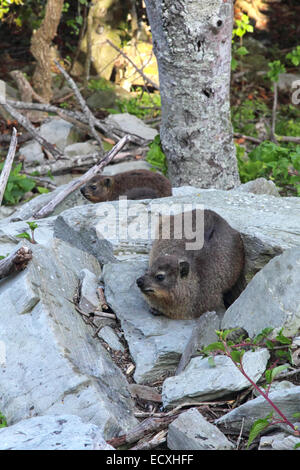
(137, 184)
(183, 284)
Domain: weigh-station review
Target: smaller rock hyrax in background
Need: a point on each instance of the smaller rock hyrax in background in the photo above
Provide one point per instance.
(183, 284)
(136, 184)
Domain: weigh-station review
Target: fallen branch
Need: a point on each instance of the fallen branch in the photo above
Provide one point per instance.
(90, 117)
(8, 164)
(75, 184)
(147, 426)
(152, 443)
(147, 79)
(15, 262)
(30, 128)
(65, 165)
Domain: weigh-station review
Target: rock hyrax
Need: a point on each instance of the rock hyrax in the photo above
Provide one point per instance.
(137, 184)
(183, 284)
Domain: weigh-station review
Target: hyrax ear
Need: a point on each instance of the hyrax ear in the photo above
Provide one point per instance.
(107, 182)
(184, 268)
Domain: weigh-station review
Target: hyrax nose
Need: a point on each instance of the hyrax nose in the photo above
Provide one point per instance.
(82, 190)
(140, 282)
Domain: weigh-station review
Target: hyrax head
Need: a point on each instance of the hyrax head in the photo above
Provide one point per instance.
(98, 189)
(162, 277)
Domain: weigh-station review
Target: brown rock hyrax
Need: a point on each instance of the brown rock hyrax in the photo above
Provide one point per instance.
(137, 184)
(182, 283)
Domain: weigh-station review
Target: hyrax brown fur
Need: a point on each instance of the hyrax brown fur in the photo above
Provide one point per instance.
(137, 184)
(183, 284)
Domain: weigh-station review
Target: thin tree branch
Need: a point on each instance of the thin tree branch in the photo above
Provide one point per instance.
(30, 128)
(90, 117)
(8, 164)
(75, 184)
(147, 79)
(16, 261)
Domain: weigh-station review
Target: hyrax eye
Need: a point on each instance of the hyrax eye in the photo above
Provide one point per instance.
(93, 186)
(160, 277)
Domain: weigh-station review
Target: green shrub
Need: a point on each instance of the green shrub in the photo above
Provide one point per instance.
(17, 185)
(271, 161)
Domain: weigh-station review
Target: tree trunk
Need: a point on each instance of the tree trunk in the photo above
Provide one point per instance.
(41, 48)
(192, 44)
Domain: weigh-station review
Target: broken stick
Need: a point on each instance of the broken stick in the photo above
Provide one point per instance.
(16, 261)
(75, 184)
(8, 164)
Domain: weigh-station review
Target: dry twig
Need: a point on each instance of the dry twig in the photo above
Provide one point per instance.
(8, 164)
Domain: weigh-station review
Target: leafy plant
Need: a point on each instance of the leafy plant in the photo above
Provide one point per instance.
(99, 84)
(17, 185)
(243, 26)
(294, 56)
(143, 105)
(3, 422)
(272, 161)
(236, 352)
(32, 226)
(275, 69)
(156, 157)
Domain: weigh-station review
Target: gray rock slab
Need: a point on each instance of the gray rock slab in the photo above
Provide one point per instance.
(155, 342)
(80, 148)
(60, 132)
(53, 364)
(191, 431)
(288, 402)
(43, 234)
(268, 224)
(115, 168)
(200, 381)
(26, 211)
(65, 432)
(111, 338)
(271, 299)
(131, 124)
(89, 283)
(279, 441)
(32, 152)
(259, 186)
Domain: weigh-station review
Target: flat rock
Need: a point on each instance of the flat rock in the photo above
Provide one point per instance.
(155, 342)
(279, 441)
(286, 400)
(131, 124)
(268, 224)
(272, 298)
(259, 186)
(200, 381)
(65, 432)
(190, 431)
(53, 364)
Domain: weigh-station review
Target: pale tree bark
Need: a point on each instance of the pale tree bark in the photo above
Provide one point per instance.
(41, 42)
(192, 44)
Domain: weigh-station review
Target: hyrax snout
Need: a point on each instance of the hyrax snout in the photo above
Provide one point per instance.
(184, 283)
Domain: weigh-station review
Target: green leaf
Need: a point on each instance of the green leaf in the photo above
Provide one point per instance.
(42, 190)
(242, 51)
(283, 339)
(24, 235)
(217, 346)
(32, 225)
(237, 356)
(257, 427)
